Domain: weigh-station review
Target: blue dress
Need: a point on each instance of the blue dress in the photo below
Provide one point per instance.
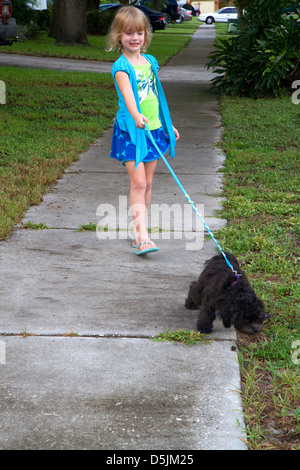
(123, 150)
(130, 143)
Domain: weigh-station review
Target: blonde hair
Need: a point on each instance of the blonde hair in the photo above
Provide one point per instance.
(132, 19)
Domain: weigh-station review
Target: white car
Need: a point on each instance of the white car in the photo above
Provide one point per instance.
(220, 16)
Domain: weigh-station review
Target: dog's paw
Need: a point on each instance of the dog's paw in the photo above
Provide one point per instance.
(190, 304)
(204, 329)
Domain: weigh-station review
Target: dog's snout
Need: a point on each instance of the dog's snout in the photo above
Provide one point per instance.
(256, 328)
(250, 329)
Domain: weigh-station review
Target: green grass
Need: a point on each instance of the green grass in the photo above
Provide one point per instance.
(187, 337)
(222, 33)
(49, 119)
(221, 29)
(44, 46)
(261, 141)
(164, 45)
(33, 226)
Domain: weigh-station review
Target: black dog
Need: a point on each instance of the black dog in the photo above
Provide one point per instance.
(219, 289)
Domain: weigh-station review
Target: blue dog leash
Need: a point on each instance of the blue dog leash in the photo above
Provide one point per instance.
(189, 199)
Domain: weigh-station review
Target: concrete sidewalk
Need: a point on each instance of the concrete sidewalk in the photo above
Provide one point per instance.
(90, 377)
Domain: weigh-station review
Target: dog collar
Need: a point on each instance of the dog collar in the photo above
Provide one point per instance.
(237, 278)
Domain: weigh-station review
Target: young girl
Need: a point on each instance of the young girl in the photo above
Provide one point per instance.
(141, 99)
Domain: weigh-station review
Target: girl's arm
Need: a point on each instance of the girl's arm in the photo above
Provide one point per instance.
(125, 88)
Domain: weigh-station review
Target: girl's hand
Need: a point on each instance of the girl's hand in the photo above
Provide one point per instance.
(139, 121)
(176, 133)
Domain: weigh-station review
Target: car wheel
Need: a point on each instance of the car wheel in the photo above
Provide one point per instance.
(168, 18)
(209, 20)
(180, 20)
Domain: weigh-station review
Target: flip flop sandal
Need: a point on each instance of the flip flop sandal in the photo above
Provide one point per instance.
(151, 249)
(131, 237)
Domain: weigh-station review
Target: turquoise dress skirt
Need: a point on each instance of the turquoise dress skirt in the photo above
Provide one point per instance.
(123, 150)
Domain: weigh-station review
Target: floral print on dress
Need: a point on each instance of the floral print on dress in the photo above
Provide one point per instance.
(145, 84)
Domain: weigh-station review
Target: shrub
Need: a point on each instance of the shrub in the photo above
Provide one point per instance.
(97, 23)
(263, 58)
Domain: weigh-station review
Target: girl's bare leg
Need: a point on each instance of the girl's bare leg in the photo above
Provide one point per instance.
(140, 197)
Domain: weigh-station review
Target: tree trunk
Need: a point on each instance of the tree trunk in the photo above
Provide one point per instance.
(69, 22)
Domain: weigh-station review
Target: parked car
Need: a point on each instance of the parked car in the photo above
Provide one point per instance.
(106, 6)
(190, 8)
(292, 9)
(169, 7)
(219, 16)
(8, 27)
(185, 15)
(157, 20)
(171, 10)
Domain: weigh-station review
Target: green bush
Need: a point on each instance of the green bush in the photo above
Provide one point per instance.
(22, 12)
(99, 23)
(264, 58)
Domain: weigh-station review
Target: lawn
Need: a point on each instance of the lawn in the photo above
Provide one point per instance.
(261, 190)
(261, 142)
(49, 119)
(164, 45)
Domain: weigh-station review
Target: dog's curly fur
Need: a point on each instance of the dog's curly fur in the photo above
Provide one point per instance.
(218, 289)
